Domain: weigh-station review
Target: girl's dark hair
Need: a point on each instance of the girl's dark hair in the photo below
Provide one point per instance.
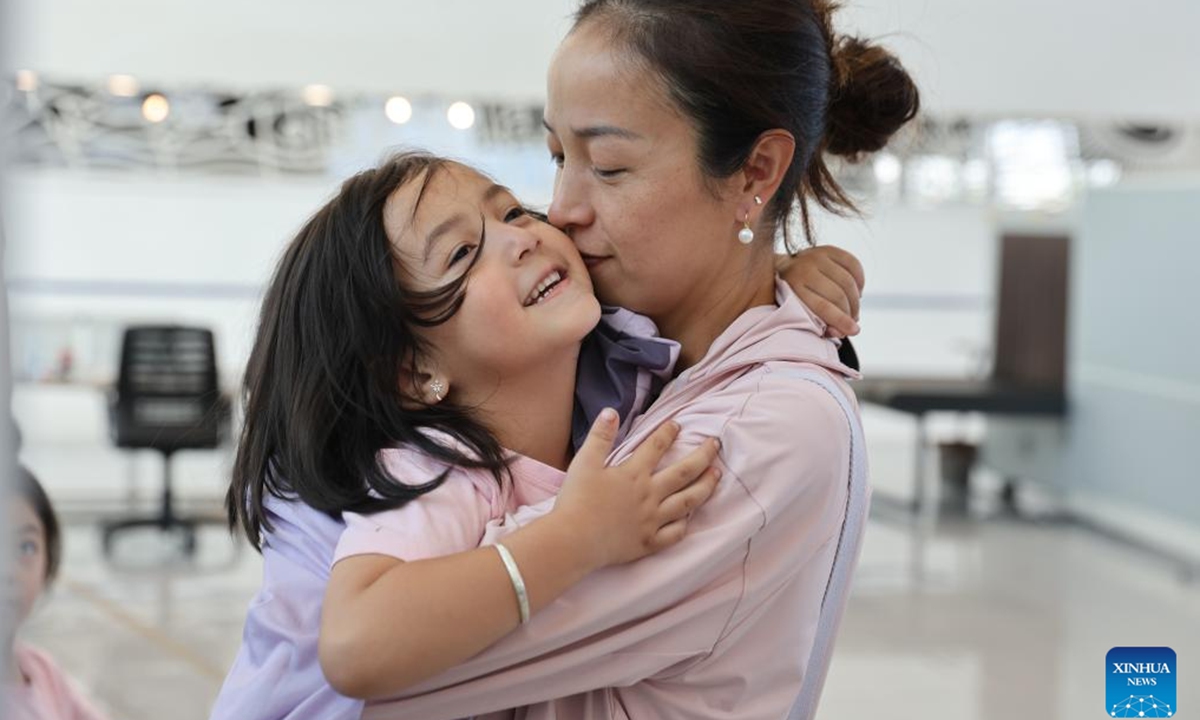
(738, 68)
(32, 492)
(322, 390)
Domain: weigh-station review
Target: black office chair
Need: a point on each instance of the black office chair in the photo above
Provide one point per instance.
(1028, 376)
(166, 399)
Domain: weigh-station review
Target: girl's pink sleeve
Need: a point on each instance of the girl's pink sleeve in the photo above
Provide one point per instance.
(446, 520)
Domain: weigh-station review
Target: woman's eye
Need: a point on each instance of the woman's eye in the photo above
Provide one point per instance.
(27, 548)
(515, 214)
(604, 174)
(557, 159)
(463, 252)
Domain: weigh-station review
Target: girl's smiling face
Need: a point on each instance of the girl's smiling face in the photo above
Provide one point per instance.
(528, 299)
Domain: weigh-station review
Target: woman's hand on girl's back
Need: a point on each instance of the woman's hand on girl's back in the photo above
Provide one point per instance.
(632, 510)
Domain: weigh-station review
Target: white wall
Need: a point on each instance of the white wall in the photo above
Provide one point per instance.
(1084, 58)
(183, 248)
(468, 47)
(927, 309)
(1103, 58)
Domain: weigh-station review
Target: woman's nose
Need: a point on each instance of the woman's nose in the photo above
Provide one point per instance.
(569, 209)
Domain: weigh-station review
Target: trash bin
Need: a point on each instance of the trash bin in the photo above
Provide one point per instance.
(955, 460)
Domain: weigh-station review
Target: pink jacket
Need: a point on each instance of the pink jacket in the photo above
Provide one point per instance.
(719, 626)
(49, 693)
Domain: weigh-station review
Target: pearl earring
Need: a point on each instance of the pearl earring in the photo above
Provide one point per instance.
(438, 389)
(746, 235)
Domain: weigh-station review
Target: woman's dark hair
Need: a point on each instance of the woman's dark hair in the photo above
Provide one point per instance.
(32, 492)
(322, 390)
(738, 68)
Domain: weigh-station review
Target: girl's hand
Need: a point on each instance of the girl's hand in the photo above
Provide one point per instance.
(629, 511)
(830, 282)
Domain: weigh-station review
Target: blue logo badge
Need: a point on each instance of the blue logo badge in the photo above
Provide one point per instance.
(1141, 682)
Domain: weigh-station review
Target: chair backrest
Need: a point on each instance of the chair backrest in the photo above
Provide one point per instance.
(167, 395)
(1031, 311)
(845, 559)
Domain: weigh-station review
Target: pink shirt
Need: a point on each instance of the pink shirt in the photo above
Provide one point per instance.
(721, 625)
(450, 519)
(49, 694)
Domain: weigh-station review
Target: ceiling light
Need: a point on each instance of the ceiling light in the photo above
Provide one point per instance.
(155, 108)
(318, 95)
(399, 110)
(461, 115)
(123, 85)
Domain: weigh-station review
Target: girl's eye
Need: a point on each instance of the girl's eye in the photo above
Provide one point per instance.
(463, 252)
(27, 547)
(608, 174)
(515, 214)
(557, 159)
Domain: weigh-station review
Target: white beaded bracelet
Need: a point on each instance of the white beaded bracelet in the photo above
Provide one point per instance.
(518, 582)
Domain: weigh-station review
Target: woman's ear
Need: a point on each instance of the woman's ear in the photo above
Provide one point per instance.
(765, 168)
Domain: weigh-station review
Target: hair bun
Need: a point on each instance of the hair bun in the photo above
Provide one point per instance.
(872, 97)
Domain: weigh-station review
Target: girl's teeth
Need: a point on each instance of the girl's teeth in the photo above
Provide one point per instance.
(544, 285)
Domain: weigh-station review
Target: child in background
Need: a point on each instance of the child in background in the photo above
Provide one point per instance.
(35, 687)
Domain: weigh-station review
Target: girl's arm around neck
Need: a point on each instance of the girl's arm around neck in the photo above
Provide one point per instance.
(387, 624)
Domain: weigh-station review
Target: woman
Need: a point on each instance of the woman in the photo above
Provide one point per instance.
(684, 129)
(280, 647)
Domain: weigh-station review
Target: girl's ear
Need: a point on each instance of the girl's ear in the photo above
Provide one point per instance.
(422, 387)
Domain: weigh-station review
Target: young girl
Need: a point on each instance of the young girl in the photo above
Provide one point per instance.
(35, 687)
(377, 380)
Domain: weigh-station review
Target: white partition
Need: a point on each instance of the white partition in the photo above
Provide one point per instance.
(1134, 371)
(1125, 457)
